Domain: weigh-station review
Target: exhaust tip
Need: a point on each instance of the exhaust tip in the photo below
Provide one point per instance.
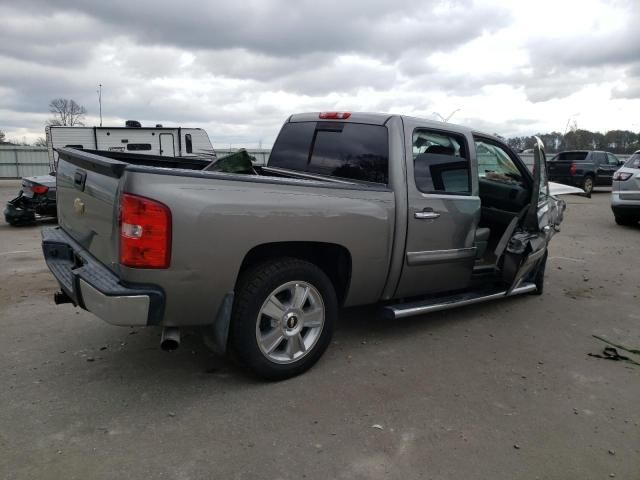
(61, 297)
(170, 339)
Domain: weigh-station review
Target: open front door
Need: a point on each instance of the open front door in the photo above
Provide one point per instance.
(527, 247)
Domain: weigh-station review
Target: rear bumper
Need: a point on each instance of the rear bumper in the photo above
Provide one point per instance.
(93, 287)
(626, 210)
(617, 201)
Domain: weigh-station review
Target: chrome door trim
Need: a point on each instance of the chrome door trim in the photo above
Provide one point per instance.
(431, 257)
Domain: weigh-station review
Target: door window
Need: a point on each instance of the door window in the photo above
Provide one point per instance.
(441, 162)
(612, 159)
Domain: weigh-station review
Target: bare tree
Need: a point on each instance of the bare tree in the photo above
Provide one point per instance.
(3, 138)
(66, 112)
(40, 142)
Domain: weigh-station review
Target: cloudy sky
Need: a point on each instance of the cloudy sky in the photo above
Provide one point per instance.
(240, 68)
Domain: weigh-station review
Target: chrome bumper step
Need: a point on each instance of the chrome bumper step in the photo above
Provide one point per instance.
(419, 307)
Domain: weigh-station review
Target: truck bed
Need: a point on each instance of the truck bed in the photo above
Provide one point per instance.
(218, 219)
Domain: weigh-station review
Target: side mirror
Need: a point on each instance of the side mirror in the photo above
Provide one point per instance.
(620, 163)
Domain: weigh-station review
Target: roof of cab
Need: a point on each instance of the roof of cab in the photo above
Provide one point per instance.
(378, 119)
(355, 117)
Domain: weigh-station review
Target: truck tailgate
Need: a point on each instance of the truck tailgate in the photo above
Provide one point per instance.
(87, 189)
(560, 167)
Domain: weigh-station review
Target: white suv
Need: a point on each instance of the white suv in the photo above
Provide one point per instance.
(625, 194)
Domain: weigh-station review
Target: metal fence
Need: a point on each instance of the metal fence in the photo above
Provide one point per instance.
(18, 162)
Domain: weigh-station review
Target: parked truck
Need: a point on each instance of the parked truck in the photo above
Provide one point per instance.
(585, 169)
(351, 209)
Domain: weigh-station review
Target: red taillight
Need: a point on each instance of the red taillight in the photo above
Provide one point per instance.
(145, 232)
(39, 189)
(335, 115)
(622, 176)
(573, 168)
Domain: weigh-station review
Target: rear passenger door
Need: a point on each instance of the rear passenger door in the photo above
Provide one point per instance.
(443, 212)
(603, 172)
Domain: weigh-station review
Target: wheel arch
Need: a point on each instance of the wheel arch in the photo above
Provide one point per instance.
(333, 259)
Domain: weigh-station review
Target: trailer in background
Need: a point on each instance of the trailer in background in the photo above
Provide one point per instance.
(158, 140)
(37, 197)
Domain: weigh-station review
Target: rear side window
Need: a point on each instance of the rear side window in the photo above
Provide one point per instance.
(346, 150)
(441, 162)
(188, 143)
(138, 146)
(634, 161)
(571, 156)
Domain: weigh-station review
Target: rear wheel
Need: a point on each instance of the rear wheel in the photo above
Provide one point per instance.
(283, 317)
(587, 184)
(625, 221)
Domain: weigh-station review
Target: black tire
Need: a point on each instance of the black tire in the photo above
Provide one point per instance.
(587, 184)
(626, 221)
(22, 221)
(254, 287)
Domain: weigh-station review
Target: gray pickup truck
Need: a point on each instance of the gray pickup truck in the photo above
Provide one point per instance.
(351, 209)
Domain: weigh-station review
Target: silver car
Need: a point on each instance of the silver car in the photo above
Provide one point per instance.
(625, 194)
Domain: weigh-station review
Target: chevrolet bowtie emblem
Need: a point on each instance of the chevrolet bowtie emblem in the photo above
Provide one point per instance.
(78, 206)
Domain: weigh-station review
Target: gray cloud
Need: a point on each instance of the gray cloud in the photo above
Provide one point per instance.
(236, 67)
(283, 28)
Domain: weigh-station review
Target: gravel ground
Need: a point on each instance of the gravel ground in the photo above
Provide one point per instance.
(504, 390)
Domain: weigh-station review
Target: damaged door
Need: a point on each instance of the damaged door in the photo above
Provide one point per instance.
(527, 247)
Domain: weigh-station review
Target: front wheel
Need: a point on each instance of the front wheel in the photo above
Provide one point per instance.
(283, 317)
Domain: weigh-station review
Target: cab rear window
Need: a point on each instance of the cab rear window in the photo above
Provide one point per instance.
(347, 150)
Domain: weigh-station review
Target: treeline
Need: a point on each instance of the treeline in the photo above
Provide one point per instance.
(614, 141)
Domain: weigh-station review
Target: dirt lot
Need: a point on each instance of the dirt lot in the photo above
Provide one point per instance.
(504, 390)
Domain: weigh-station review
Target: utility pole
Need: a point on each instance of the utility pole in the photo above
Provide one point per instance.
(100, 101)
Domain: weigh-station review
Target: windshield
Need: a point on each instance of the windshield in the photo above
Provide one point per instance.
(634, 161)
(495, 164)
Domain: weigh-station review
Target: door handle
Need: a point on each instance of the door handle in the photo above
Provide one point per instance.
(426, 214)
(79, 179)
